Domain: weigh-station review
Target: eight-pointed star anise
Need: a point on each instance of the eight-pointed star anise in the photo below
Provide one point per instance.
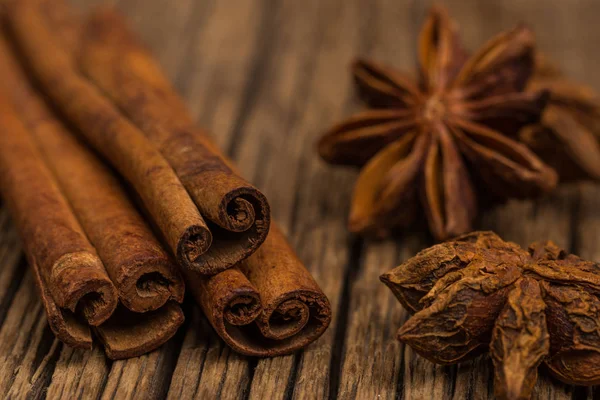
(433, 139)
(479, 292)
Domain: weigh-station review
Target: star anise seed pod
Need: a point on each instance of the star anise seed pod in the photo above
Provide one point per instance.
(479, 293)
(568, 135)
(434, 138)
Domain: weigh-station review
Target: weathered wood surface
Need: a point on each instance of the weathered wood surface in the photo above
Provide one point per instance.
(266, 77)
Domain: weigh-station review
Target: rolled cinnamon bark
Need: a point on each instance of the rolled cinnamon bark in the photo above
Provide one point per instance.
(268, 306)
(70, 276)
(59, 13)
(140, 269)
(112, 135)
(113, 59)
(65, 325)
(128, 334)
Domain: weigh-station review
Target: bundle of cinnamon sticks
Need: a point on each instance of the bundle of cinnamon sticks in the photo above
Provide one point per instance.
(111, 245)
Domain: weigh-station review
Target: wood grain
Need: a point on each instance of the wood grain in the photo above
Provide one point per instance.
(266, 77)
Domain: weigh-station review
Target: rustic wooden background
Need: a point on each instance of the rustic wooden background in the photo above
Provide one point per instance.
(267, 77)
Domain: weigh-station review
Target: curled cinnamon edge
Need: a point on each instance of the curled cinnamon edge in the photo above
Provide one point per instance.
(93, 298)
(192, 246)
(294, 323)
(128, 334)
(267, 306)
(149, 286)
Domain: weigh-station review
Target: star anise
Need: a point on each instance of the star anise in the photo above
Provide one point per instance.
(435, 138)
(479, 293)
(568, 135)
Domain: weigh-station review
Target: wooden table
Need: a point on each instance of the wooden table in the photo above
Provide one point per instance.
(267, 77)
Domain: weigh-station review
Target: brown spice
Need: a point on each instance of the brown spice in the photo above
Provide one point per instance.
(529, 307)
(270, 305)
(112, 135)
(68, 272)
(436, 138)
(128, 334)
(58, 13)
(141, 270)
(568, 136)
(114, 59)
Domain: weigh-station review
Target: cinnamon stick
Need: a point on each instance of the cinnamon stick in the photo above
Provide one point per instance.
(112, 135)
(269, 304)
(113, 59)
(58, 13)
(144, 275)
(71, 278)
(128, 334)
(140, 269)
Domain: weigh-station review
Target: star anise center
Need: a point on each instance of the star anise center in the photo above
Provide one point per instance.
(434, 142)
(435, 108)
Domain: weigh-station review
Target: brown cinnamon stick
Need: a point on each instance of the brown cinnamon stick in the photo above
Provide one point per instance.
(112, 135)
(141, 270)
(58, 13)
(70, 276)
(270, 305)
(113, 59)
(128, 334)
(144, 275)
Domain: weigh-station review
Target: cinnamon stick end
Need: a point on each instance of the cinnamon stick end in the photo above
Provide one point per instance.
(151, 285)
(78, 282)
(192, 245)
(243, 208)
(127, 334)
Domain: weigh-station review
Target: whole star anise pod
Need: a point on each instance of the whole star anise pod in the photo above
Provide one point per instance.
(568, 135)
(435, 138)
(479, 293)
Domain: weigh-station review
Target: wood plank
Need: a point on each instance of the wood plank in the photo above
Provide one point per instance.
(147, 376)
(321, 208)
(27, 346)
(11, 272)
(79, 374)
(166, 29)
(206, 367)
(223, 64)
